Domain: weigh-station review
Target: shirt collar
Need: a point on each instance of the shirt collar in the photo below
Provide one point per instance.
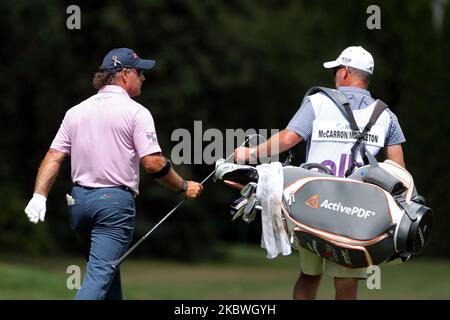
(112, 89)
(355, 89)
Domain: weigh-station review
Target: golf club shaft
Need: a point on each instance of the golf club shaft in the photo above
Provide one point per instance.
(117, 263)
(126, 254)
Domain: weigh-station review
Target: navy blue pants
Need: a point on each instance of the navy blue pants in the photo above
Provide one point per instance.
(103, 220)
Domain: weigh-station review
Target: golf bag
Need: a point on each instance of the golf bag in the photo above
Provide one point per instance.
(371, 217)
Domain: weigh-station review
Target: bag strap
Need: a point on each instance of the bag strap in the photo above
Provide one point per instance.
(380, 106)
(340, 100)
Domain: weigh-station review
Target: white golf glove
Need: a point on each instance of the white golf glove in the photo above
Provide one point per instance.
(35, 209)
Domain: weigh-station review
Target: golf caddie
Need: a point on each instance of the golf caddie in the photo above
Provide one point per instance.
(320, 123)
(107, 137)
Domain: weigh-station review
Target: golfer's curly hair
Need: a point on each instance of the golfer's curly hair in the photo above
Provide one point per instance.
(103, 78)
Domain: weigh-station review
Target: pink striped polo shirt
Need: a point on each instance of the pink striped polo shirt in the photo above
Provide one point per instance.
(106, 135)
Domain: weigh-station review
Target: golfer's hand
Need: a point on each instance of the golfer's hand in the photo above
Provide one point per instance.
(194, 189)
(36, 208)
(241, 155)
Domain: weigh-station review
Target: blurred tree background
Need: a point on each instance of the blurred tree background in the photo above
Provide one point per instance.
(230, 64)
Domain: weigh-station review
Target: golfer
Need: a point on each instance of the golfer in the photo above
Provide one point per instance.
(107, 137)
(353, 70)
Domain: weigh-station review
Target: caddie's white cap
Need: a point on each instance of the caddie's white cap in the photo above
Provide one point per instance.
(356, 57)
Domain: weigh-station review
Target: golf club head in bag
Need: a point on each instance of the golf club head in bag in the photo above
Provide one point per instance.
(251, 209)
(249, 189)
(243, 178)
(247, 205)
(237, 207)
(238, 174)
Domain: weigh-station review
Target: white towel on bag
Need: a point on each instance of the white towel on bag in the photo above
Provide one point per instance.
(269, 193)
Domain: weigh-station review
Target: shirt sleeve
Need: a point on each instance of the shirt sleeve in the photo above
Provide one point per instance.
(395, 133)
(62, 141)
(302, 121)
(144, 134)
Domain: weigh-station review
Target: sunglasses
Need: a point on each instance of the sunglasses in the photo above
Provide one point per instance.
(335, 70)
(140, 72)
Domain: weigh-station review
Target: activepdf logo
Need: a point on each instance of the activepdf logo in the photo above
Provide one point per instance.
(362, 213)
(313, 202)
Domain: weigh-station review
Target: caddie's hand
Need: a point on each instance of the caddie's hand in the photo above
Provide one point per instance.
(36, 208)
(241, 155)
(194, 189)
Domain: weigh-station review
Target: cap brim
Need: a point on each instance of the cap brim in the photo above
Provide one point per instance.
(331, 64)
(145, 64)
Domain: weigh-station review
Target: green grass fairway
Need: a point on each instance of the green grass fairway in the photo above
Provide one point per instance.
(248, 274)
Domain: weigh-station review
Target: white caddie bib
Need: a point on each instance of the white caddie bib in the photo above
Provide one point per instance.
(332, 138)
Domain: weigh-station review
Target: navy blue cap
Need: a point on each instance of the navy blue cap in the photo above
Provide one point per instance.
(125, 58)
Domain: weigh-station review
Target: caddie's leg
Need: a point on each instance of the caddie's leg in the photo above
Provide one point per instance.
(345, 279)
(308, 282)
(346, 288)
(306, 287)
(113, 224)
